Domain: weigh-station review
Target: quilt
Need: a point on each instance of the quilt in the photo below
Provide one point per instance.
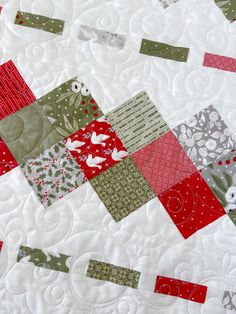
(117, 156)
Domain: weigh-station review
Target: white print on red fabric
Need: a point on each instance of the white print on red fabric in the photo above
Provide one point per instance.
(96, 147)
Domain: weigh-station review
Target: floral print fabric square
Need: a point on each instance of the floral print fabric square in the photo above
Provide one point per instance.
(70, 107)
(14, 92)
(163, 163)
(7, 161)
(221, 177)
(191, 205)
(96, 147)
(53, 174)
(205, 137)
(122, 189)
(137, 122)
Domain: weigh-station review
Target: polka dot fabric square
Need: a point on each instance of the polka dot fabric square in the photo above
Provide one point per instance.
(96, 147)
(191, 205)
(7, 161)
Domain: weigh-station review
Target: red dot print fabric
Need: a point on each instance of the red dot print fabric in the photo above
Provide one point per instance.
(191, 205)
(182, 289)
(96, 147)
(14, 92)
(7, 161)
(164, 163)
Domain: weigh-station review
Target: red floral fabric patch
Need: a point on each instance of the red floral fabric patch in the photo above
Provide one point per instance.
(182, 289)
(164, 163)
(191, 205)
(14, 92)
(96, 147)
(7, 161)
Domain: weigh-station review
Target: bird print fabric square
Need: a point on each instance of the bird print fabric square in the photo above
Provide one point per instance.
(45, 259)
(14, 92)
(182, 289)
(70, 107)
(163, 163)
(122, 189)
(53, 174)
(221, 177)
(205, 137)
(191, 205)
(27, 133)
(96, 147)
(7, 161)
(137, 122)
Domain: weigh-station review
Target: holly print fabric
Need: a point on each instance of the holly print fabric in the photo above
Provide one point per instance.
(162, 50)
(70, 107)
(163, 163)
(41, 22)
(14, 92)
(191, 205)
(96, 147)
(116, 274)
(53, 174)
(27, 133)
(137, 122)
(182, 289)
(42, 258)
(7, 161)
(205, 137)
(221, 177)
(228, 7)
(122, 189)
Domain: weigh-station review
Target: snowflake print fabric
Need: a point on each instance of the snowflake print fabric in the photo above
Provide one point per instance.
(205, 137)
(53, 174)
(70, 107)
(96, 147)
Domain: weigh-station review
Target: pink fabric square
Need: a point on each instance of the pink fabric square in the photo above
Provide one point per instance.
(164, 163)
(14, 92)
(219, 62)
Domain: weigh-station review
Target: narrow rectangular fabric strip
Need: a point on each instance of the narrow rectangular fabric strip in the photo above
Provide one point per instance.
(162, 50)
(42, 258)
(181, 289)
(1, 245)
(41, 22)
(212, 60)
(87, 33)
(115, 274)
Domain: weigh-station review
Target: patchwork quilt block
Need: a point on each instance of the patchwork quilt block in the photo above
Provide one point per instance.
(53, 174)
(96, 147)
(122, 189)
(205, 137)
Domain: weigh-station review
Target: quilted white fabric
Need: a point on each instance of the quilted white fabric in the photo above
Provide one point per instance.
(80, 225)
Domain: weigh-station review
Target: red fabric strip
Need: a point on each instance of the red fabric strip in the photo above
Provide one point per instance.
(219, 62)
(181, 289)
(1, 244)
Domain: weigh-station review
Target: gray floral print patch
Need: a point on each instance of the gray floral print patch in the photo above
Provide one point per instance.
(228, 300)
(205, 137)
(53, 174)
(167, 3)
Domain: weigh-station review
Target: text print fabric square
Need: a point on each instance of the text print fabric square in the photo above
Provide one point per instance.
(205, 137)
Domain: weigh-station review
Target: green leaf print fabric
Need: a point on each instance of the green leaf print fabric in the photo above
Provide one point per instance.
(42, 258)
(70, 107)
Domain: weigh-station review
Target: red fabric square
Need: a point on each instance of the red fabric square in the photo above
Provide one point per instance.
(14, 92)
(164, 163)
(96, 147)
(7, 161)
(191, 205)
(182, 289)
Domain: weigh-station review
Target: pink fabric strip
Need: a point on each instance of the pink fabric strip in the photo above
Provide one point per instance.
(219, 62)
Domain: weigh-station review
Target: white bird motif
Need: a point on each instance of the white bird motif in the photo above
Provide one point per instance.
(93, 162)
(72, 146)
(117, 156)
(98, 139)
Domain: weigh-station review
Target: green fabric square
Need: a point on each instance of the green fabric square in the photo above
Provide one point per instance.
(27, 133)
(122, 188)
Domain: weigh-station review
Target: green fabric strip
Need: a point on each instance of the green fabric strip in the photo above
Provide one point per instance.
(44, 23)
(228, 7)
(42, 258)
(161, 50)
(108, 272)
